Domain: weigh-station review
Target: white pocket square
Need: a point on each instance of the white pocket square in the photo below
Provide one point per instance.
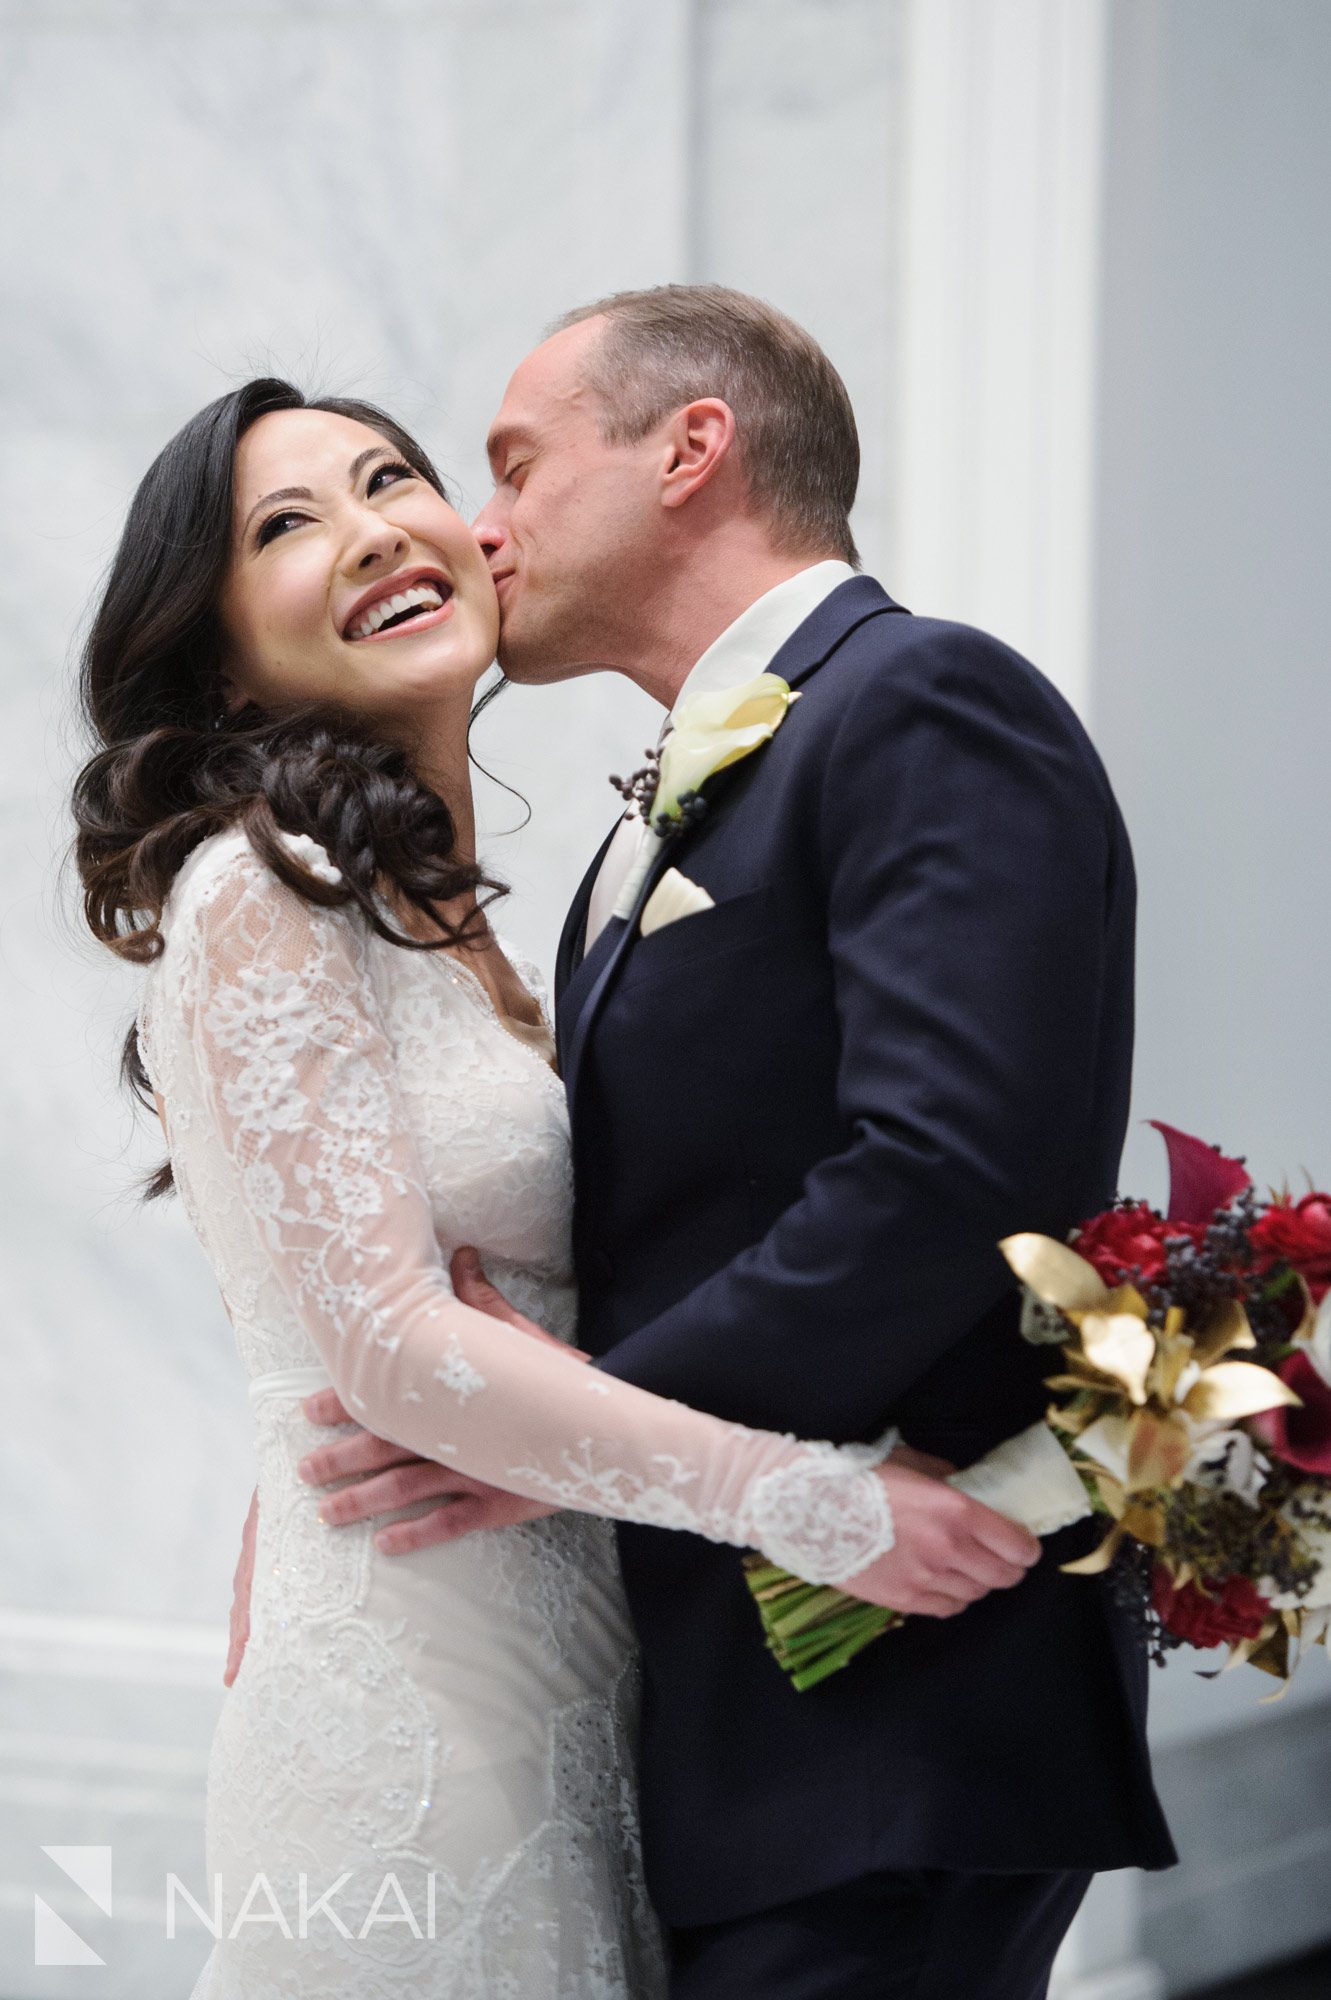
(673, 897)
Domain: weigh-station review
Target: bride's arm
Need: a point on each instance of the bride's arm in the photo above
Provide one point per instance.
(298, 1087)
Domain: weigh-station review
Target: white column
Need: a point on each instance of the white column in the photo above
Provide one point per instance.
(998, 300)
(998, 294)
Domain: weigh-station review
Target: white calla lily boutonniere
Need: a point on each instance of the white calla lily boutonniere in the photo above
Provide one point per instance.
(711, 732)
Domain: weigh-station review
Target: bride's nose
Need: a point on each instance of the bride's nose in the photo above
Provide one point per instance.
(375, 544)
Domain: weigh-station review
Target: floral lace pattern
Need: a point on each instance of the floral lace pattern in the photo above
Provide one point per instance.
(342, 1114)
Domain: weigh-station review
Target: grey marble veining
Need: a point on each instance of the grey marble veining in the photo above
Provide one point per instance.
(798, 192)
(391, 201)
(392, 198)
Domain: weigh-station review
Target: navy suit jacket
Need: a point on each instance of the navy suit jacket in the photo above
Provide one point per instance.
(802, 1120)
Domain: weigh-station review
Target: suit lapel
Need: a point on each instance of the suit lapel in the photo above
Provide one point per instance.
(601, 965)
(825, 629)
(848, 606)
(573, 937)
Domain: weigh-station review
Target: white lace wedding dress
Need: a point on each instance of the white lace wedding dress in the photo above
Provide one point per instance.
(421, 1785)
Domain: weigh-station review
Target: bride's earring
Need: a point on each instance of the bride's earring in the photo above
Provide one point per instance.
(221, 706)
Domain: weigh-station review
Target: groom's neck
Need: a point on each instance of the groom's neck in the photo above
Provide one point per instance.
(693, 604)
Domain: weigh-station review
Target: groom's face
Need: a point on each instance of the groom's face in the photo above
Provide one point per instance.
(572, 530)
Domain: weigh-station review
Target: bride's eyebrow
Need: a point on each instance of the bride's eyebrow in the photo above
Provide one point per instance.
(282, 493)
(354, 471)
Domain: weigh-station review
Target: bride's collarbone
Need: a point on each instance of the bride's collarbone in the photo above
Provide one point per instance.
(501, 984)
(488, 965)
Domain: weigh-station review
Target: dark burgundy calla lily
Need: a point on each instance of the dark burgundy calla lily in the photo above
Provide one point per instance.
(1300, 1435)
(1201, 1180)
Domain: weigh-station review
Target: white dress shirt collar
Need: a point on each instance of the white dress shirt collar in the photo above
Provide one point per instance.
(744, 650)
(748, 646)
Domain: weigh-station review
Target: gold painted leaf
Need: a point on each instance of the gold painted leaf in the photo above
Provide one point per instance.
(1224, 1330)
(1307, 1327)
(1119, 1345)
(1236, 1389)
(1159, 1450)
(1126, 1299)
(1055, 1273)
(1098, 1561)
(1315, 1335)
(1174, 1366)
(1145, 1524)
(1271, 1652)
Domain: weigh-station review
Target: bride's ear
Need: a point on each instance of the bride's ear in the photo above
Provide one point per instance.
(227, 698)
(232, 692)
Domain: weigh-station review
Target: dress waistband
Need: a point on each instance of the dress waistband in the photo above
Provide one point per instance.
(289, 1382)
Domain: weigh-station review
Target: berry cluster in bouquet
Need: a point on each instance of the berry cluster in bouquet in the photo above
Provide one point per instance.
(1192, 1412)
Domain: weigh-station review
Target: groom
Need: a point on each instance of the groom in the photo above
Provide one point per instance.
(802, 1119)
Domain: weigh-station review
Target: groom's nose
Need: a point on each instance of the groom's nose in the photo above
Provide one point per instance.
(488, 532)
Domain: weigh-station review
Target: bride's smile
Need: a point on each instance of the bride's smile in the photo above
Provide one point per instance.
(415, 598)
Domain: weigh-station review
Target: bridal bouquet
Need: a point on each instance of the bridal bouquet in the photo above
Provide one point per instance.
(1192, 1412)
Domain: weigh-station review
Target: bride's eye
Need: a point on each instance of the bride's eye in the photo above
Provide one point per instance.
(277, 524)
(394, 471)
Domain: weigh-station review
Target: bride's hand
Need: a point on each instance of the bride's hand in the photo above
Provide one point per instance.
(949, 1549)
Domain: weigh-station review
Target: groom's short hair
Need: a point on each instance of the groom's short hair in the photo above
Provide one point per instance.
(794, 425)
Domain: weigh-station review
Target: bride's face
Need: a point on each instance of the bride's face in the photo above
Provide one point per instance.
(351, 579)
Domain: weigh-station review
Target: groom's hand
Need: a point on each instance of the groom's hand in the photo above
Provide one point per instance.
(949, 1550)
(385, 1477)
(242, 1584)
(474, 1289)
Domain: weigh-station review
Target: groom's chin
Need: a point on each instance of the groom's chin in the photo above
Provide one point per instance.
(528, 666)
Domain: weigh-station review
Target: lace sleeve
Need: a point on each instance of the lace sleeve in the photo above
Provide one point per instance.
(296, 1085)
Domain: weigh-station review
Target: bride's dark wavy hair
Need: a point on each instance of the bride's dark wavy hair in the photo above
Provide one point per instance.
(174, 767)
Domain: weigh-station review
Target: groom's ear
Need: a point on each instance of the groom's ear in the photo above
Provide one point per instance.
(696, 448)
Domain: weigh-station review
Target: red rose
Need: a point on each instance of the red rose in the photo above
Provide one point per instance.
(1298, 1233)
(1124, 1241)
(1237, 1611)
(1301, 1434)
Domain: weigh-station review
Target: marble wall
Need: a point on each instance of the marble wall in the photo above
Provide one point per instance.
(392, 198)
(1212, 703)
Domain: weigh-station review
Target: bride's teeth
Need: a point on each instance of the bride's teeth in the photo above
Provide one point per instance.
(421, 597)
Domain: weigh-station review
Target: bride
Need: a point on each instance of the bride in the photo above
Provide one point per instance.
(421, 1784)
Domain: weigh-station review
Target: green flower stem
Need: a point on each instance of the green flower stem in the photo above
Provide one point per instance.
(820, 1608)
(812, 1630)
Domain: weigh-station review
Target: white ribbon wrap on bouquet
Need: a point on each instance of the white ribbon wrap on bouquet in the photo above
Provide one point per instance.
(1031, 1480)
